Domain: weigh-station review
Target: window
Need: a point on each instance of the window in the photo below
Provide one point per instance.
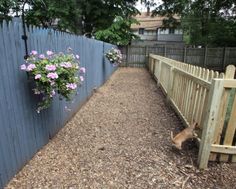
(171, 30)
(141, 31)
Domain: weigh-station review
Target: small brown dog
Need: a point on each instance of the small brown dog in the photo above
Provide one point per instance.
(187, 133)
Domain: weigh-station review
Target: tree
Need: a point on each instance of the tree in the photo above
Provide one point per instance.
(118, 33)
(100, 14)
(5, 7)
(77, 16)
(63, 15)
(202, 20)
(148, 4)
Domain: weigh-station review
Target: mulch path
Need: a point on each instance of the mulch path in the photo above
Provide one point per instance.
(121, 139)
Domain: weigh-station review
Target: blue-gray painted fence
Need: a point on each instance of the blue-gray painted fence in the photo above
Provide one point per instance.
(22, 130)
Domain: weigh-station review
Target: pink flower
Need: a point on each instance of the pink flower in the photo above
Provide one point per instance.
(81, 78)
(31, 67)
(52, 75)
(77, 56)
(34, 52)
(49, 53)
(42, 56)
(36, 91)
(71, 86)
(52, 93)
(51, 67)
(52, 83)
(66, 65)
(23, 67)
(38, 76)
(82, 70)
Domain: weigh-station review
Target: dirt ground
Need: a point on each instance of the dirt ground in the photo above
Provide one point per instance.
(121, 139)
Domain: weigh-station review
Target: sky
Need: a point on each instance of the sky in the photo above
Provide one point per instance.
(142, 8)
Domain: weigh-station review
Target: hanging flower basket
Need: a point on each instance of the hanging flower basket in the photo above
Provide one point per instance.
(114, 56)
(53, 73)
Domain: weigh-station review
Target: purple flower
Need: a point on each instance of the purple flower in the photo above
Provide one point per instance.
(77, 56)
(71, 86)
(51, 67)
(23, 67)
(49, 53)
(38, 76)
(42, 56)
(81, 78)
(66, 65)
(31, 67)
(52, 75)
(34, 52)
(82, 70)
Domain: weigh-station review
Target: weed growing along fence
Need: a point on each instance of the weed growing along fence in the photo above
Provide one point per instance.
(203, 95)
(211, 58)
(22, 130)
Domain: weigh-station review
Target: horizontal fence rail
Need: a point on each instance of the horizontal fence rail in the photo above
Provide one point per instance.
(211, 58)
(203, 95)
(23, 131)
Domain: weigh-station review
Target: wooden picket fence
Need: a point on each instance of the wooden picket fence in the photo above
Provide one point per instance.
(206, 96)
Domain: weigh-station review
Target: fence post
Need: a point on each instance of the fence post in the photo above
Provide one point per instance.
(184, 59)
(127, 55)
(205, 57)
(165, 51)
(210, 122)
(146, 54)
(224, 58)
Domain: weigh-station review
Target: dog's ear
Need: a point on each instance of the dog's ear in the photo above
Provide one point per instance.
(194, 124)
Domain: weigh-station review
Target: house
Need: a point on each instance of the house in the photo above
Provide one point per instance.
(150, 30)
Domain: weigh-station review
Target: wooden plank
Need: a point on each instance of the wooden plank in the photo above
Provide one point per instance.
(204, 94)
(230, 83)
(192, 102)
(223, 149)
(202, 82)
(229, 74)
(197, 73)
(173, 96)
(187, 97)
(170, 84)
(209, 125)
(200, 91)
(191, 99)
(220, 121)
(230, 130)
(184, 95)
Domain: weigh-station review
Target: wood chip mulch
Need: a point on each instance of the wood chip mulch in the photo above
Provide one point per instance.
(121, 139)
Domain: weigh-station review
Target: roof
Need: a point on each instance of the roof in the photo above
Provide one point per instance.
(148, 22)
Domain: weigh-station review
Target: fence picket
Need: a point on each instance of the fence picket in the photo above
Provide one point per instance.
(210, 123)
